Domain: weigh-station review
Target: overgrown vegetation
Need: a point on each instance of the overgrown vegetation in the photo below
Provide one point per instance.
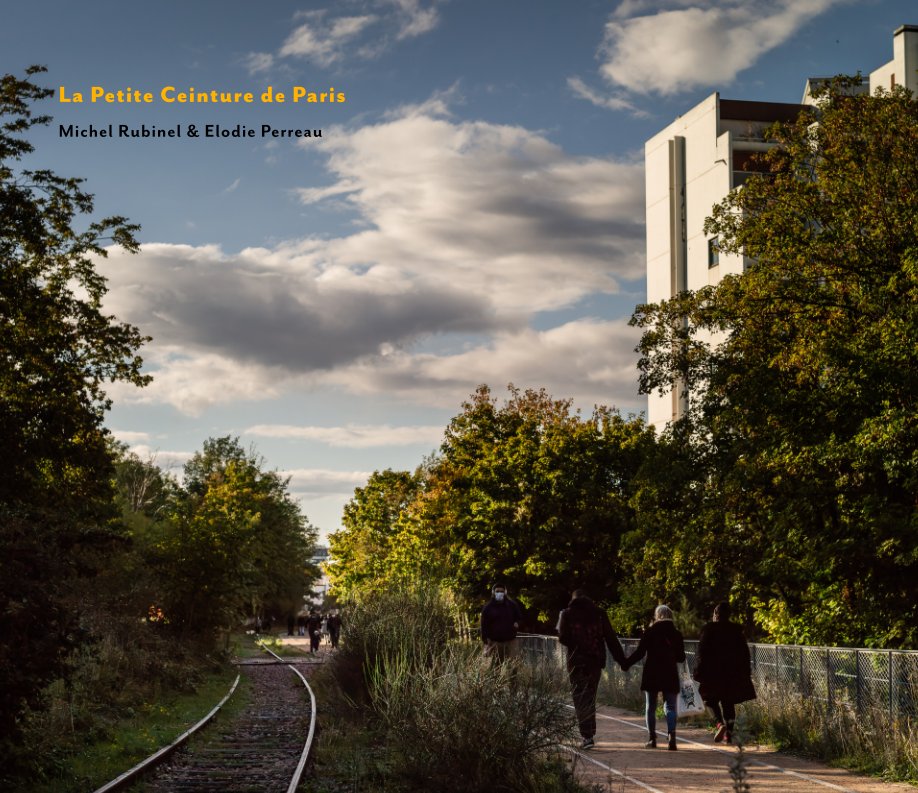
(432, 713)
(867, 740)
(116, 582)
(87, 741)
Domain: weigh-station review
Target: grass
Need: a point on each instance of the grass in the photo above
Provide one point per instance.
(350, 753)
(407, 706)
(354, 753)
(867, 741)
(123, 742)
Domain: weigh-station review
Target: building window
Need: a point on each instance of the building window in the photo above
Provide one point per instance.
(713, 252)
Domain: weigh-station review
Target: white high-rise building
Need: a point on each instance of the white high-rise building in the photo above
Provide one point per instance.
(692, 164)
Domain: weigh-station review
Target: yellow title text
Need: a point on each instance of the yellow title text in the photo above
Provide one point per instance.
(170, 95)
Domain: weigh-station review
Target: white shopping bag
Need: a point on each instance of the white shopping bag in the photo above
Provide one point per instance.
(689, 701)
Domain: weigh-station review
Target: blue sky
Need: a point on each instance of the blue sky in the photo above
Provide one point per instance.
(473, 213)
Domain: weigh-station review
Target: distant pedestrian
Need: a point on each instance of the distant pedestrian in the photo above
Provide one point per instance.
(584, 629)
(723, 670)
(301, 625)
(500, 620)
(334, 628)
(664, 648)
(314, 629)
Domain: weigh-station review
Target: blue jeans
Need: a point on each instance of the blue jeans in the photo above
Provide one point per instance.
(669, 708)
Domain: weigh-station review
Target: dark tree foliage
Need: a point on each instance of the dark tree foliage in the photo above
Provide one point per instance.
(804, 377)
(57, 350)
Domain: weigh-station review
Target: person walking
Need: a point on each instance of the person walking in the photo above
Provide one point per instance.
(663, 646)
(334, 628)
(314, 630)
(500, 619)
(723, 670)
(584, 629)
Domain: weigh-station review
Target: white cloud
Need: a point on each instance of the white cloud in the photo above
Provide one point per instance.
(686, 45)
(414, 19)
(468, 231)
(609, 102)
(193, 381)
(354, 436)
(589, 360)
(130, 436)
(319, 482)
(258, 62)
(167, 461)
(495, 209)
(325, 41)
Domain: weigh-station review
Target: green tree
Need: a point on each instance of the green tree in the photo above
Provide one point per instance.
(57, 350)
(804, 402)
(533, 495)
(365, 552)
(236, 543)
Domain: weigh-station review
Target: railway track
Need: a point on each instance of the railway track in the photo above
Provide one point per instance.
(264, 748)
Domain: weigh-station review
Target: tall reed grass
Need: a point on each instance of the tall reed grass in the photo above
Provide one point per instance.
(454, 720)
(867, 740)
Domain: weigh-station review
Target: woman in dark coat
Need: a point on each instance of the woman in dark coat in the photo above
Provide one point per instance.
(664, 648)
(723, 670)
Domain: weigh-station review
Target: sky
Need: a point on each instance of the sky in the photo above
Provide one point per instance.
(472, 212)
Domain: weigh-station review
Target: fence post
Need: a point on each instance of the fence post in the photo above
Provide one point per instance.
(802, 684)
(857, 681)
(828, 678)
(892, 688)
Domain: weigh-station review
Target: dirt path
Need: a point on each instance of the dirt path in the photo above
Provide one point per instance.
(620, 763)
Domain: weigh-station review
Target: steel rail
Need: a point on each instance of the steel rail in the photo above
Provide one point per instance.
(301, 765)
(129, 776)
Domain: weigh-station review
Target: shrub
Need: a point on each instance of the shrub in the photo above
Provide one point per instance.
(386, 624)
(463, 722)
(453, 720)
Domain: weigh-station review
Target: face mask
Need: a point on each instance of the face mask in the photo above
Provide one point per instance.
(498, 596)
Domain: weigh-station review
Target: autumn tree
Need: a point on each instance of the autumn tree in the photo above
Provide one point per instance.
(804, 404)
(57, 350)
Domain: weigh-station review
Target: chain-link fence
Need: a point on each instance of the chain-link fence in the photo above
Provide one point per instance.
(878, 680)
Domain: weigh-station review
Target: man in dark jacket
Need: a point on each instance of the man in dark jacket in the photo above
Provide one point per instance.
(334, 627)
(500, 619)
(723, 670)
(584, 629)
(314, 629)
